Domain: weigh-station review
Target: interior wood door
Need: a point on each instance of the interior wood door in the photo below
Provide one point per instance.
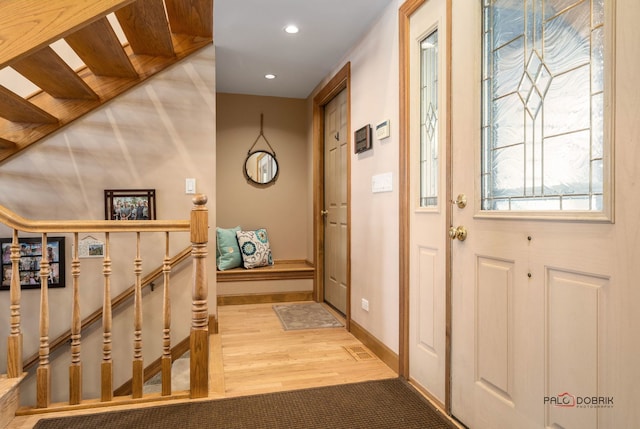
(535, 293)
(429, 205)
(335, 202)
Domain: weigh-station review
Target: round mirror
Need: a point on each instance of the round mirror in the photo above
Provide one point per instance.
(261, 167)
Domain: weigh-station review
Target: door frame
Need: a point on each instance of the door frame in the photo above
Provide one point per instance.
(408, 8)
(340, 81)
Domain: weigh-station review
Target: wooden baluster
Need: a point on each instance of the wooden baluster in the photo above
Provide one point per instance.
(137, 379)
(166, 320)
(43, 375)
(106, 368)
(199, 338)
(75, 369)
(14, 343)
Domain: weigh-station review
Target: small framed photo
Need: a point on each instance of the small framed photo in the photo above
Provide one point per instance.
(89, 247)
(31, 252)
(130, 204)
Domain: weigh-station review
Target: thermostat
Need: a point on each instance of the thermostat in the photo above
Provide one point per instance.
(382, 130)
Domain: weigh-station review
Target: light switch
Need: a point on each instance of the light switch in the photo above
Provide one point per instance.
(190, 186)
(382, 183)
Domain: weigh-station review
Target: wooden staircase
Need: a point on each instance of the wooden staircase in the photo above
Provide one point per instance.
(78, 55)
(119, 43)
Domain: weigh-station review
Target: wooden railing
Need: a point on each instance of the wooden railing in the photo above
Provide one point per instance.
(197, 226)
(122, 298)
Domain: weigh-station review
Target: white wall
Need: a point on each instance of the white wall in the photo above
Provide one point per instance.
(154, 136)
(375, 217)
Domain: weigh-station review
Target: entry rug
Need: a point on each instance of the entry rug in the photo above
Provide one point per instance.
(305, 316)
(384, 404)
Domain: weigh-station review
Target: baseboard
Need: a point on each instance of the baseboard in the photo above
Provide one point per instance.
(264, 298)
(213, 324)
(384, 353)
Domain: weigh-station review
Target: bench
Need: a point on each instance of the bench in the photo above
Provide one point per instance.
(299, 273)
(280, 270)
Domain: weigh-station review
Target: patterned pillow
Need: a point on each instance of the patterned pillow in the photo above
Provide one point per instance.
(254, 247)
(227, 250)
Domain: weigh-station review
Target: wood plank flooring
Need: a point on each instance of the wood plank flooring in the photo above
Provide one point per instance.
(252, 354)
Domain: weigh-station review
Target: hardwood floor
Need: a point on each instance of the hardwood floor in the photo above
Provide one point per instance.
(252, 354)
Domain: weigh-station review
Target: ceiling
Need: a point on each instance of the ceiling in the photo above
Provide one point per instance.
(250, 42)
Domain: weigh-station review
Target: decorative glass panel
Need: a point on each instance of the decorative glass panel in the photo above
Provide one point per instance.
(543, 111)
(429, 121)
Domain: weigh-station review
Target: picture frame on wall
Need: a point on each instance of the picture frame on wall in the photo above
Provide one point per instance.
(130, 204)
(90, 247)
(29, 263)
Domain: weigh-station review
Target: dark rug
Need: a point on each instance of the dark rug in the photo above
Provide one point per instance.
(385, 404)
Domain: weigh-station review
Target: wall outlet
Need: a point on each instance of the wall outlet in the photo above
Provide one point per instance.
(365, 304)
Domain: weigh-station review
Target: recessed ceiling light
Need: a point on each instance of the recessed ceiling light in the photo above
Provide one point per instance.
(269, 76)
(291, 29)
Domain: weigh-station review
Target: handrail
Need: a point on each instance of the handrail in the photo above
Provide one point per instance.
(115, 303)
(15, 221)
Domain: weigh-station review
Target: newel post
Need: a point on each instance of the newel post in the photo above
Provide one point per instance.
(199, 338)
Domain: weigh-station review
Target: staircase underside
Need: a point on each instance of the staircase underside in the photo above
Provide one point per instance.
(118, 44)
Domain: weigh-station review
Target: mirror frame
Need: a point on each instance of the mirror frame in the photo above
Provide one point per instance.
(254, 181)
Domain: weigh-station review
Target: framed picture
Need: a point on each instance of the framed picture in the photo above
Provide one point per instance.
(90, 247)
(29, 264)
(130, 204)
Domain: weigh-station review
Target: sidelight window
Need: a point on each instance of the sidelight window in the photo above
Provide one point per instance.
(429, 147)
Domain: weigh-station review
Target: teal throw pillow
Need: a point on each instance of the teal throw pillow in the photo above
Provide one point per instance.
(227, 251)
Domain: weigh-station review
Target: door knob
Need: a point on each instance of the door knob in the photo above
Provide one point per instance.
(460, 233)
(324, 212)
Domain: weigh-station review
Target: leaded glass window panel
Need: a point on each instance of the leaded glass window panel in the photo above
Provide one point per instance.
(543, 109)
(429, 121)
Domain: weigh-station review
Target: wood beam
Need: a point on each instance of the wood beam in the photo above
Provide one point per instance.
(48, 71)
(26, 26)
(145, 25)
(98, 46)
(194, 17)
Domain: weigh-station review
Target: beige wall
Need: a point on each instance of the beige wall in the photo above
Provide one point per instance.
(374, 217)
(154, 136)
(281, 208)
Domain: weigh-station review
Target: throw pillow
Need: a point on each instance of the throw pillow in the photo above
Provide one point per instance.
(227, 249)
(254, 247)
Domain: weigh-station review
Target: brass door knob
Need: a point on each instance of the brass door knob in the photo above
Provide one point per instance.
(460, 233)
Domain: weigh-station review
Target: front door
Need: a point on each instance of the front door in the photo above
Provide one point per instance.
(429, 205)
(335, 202)
(534, 284)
